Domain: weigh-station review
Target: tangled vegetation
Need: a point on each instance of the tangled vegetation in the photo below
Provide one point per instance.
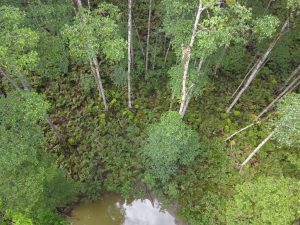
(197, 100)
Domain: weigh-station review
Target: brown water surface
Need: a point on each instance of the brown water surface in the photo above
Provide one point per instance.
(114, 210)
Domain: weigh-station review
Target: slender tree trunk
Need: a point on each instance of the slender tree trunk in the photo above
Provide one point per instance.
(293, 74)
(129, 51)
(201, 61)
(258, 65)
(256, 150)
(288, 89)
(269, 5)
(148, 36)
(190, 94)
(89, 4)
(3, 74)
(27, 87)
(285, 91)
(96, 69)
(186, 55)
(55, 129)
(79, 4)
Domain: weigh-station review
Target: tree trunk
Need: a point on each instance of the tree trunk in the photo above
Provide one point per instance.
(285, 91)
(27, 87)
(256, 150)
(201, 61)
(55, 129)
(258, 66)
(3, 74)
(96, 69)
(89, 4)
(186, 55)
(79, 4)
(129, 51)
(293, 74)
(288, 89)
(148, 36)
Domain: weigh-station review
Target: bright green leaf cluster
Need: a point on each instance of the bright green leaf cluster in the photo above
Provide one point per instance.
(53, 56)
(170, 144)
(30, 180)
(268, 200)
(17, 43)
(287, 127)
(95, 33)
(196, 83)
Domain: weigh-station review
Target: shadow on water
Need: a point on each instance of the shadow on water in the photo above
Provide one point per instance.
(114, 210)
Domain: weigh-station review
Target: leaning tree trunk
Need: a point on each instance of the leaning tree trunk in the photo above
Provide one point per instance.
(27, 87)
(96, 69)
(258, 66)
(129, 51)
(288, 89)
(148, 36)
(256, 150)
(186, 56)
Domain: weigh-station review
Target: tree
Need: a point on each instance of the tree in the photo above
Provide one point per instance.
(148, 35)
(96, 34)
(53, 56)
(30, 180)
(169, 145)
(18, 55)
(129, 54)
(286, 128)
(292, 7)
(267, 200)
(17, 43)
(218, 28)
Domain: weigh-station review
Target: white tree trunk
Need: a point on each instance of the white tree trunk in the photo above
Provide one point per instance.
(285, 91)
(79, 4)
(96, 68)
(256, 150)
(288, 89)
(258, 66)
(293, 74)
(89, 4)
(186, 55)
(148, 36)
(201, 61)
(129, 51)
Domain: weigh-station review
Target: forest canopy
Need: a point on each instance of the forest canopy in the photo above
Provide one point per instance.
(195, 101)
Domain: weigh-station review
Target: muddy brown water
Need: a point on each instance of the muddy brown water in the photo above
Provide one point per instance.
(114, 210)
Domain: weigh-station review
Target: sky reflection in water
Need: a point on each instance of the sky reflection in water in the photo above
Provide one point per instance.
(114, 210)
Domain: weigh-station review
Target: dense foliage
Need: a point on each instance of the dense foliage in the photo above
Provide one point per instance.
(63, 62)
